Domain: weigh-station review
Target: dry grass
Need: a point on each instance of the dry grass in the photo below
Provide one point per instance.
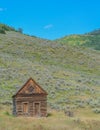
(56, 121)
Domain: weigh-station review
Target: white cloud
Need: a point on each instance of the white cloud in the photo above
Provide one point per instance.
(48, 26)
(2, 9)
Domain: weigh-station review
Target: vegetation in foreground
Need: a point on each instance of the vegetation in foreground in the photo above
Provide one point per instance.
(56, 120)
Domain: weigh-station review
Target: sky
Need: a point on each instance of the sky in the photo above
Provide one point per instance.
(51, 19)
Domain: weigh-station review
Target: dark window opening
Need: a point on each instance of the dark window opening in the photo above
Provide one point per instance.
(31, 89)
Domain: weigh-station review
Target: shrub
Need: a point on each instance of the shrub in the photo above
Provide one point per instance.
(7, 102)
(96, 110)
(7, 28)
(49, 114)
(81, 105)
(94, 103)
(2, 31)
(68, 111)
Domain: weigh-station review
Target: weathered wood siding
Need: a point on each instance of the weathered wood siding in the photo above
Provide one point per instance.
(31, 100)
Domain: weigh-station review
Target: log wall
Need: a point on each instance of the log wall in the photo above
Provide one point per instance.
(30, 100)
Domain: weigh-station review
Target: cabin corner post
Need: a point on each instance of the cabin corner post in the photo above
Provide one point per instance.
(14, 106)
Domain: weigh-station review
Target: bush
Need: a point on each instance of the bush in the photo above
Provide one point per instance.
(94, 103)
(2, 31)
(49, 114)
(7, 102)
(4, 28)
(7, 28)
(81, 105)
(69, 113)
(96, 110)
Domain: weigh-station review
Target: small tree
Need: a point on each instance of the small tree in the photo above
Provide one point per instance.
(2, 31)
(20, 30)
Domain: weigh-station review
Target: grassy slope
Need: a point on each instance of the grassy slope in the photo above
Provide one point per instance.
(88, 40)
(69, 74)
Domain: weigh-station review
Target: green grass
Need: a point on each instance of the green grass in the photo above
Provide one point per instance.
(87, 40)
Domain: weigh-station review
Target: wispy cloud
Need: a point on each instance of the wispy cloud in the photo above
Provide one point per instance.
(2, 9)
(48, 26)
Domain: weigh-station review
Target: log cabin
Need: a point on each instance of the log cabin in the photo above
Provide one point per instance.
(30, 100)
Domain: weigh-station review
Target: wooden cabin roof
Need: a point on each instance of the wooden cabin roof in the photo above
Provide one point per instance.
(30, 87)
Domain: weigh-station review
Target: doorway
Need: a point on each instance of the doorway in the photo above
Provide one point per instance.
(25, 108)
(37, 109)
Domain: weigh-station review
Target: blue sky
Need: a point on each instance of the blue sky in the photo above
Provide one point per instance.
(51, 19)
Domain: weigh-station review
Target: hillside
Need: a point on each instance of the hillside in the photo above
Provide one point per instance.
(91, 40)
(4, 28)
(70, 74)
